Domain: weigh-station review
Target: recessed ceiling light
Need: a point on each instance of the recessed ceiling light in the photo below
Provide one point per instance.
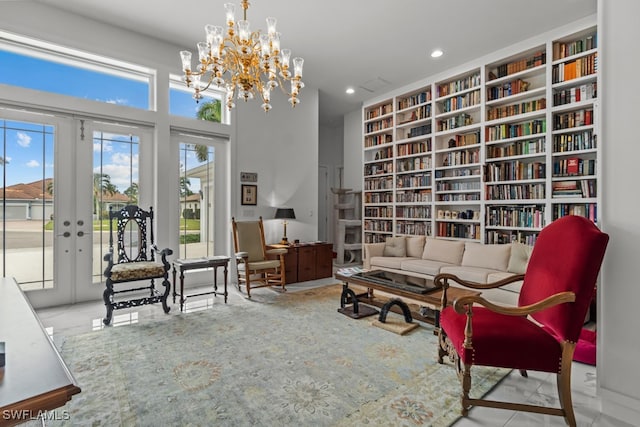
(437, 53)
(350, 91)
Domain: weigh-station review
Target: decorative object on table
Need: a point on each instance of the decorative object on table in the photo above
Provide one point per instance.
(248, 64)
(136, 260)
(393, 325)
(249, 194)
(294, 369)
(541, 333)
(284, 214)
(252, 257)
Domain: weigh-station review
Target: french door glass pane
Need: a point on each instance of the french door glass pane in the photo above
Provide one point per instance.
(115, 185)
(196, 200)
(27, 203)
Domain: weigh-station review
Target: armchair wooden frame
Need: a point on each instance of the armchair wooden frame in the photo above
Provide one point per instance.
(255, 262)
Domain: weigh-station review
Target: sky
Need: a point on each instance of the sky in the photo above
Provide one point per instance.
(28, 148)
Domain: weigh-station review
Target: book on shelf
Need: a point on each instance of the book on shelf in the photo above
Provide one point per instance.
(573, 166)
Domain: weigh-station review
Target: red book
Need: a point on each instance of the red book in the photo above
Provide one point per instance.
(573, 166)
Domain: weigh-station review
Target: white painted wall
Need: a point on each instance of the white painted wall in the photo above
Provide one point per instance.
(353, 156)
(618, 340)
(282, 148)
(330, 155)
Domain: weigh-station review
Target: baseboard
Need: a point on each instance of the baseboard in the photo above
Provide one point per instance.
(620, 406)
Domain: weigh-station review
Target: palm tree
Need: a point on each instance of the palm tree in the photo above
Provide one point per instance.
(184, 187)
(212, 112)
(101, 185)
(132, 193)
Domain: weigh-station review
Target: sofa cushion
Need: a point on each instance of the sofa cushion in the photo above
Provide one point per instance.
(388, 262)
(415, 246)
(449, 251)
(519, 259)
(423, 266)
(492, 257)
(395, 246)
(512, 287)
(472, 274)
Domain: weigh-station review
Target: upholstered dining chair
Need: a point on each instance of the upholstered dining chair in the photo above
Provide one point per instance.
(540, 334)
(136, 261)
(257, 265)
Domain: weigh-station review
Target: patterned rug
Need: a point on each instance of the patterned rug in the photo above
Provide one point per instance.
(277, 360)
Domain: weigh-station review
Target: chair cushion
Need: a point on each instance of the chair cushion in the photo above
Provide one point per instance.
(395, 246)
(415, 246)
(423, 266)
(388, 262)
(136, 271)
(260, 265)
(503, 341)
(472, 274)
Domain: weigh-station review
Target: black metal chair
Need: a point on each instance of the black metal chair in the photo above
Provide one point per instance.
(136, 260)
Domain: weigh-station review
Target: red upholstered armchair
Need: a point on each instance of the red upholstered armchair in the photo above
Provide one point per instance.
(541, 333)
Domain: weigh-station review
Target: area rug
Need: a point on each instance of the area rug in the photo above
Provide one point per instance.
(277, 360)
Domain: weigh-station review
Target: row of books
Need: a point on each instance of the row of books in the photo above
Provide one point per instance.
(515, 191)
(464, 231)
(587, 210)
(378, 225)
(423, 112)
(516, 216)
(465, 197)
(416, 180)
(373, 140)
(383, 183)
(384, 153)
(574, 166)
(580, 67)
(461, 101)
(415, 196)
(537, 59)
(457, 186)
(573, 119)
(414, 228)
(379, 111)
(563, 50)
(515, 109)
(419, 131)
(517, 148)
(414, 148)
(465, 83)
(454, 122)
(384, 197)
(413, 212)
(507, 89)
(503, 236)
(413, 164)
(514, 170)
(378, 168)
(514, 130)
(378, 125)
(417, 99)
(574, 188)
(564, 142)
(379, 212)
(576, 94)
(465, 157)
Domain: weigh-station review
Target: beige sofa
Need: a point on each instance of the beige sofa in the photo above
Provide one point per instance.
(425, 257)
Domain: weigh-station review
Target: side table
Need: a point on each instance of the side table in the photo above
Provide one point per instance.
(196, 263)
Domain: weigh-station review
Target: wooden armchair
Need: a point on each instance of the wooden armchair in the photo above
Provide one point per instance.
(540, 334)
(254, 261)
(136, 260)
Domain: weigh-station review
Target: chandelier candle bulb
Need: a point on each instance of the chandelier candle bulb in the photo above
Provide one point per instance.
(246, 64)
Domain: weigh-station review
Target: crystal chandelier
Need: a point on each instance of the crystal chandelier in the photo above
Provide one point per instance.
(243, 62)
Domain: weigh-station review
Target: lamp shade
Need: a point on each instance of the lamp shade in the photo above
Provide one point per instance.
(285, 213)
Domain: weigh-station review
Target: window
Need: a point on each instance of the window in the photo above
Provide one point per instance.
(63, 71)
(181, 103)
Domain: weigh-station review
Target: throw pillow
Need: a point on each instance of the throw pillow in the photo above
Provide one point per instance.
(395, 246)
(519, 259)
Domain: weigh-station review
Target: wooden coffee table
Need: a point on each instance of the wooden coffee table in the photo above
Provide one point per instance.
(419, 292)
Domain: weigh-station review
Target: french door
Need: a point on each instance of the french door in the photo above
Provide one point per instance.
(59, 177)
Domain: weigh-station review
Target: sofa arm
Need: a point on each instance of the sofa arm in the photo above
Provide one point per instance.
(371, 250)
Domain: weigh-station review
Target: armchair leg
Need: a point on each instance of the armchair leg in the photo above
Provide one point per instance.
(106, 296)
(165, 295)
(247, 283)
(563, 382)
(466, 387)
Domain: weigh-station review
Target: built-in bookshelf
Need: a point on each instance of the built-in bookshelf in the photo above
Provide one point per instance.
(491, 154)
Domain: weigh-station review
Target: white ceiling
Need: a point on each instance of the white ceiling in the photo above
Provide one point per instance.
(374, 44)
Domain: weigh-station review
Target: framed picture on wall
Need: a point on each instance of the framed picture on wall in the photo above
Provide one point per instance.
(249, 194)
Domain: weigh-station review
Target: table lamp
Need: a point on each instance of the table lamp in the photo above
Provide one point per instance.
(285, 214)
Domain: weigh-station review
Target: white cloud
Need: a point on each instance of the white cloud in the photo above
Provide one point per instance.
(33, 163)
(120, 170)
(24, 140)
(106, 146)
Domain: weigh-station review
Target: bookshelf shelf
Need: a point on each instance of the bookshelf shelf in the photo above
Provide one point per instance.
(489, 154)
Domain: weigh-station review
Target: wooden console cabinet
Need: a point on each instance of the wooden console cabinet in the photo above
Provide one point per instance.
(308, 261)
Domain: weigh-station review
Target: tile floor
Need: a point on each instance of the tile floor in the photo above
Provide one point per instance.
(536, 389)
